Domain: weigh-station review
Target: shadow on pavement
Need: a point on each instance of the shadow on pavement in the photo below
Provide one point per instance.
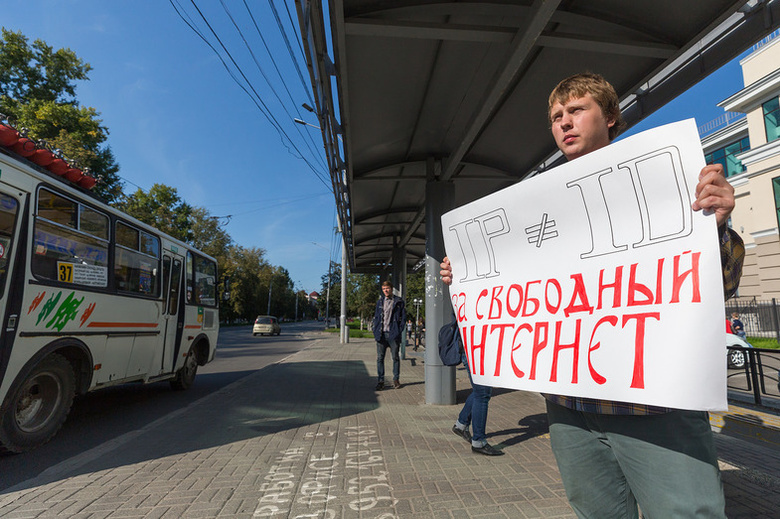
(279, 398)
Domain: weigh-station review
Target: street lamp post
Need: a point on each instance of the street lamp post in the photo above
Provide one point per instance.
(296, 303)
(270, 287)
(417, 304)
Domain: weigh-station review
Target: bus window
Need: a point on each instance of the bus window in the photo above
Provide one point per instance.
(9, 208)
(201, 279)
(57, 209)
(93, 223)
(67, 248)
(136, 266)
(173, 302)
(205, 282)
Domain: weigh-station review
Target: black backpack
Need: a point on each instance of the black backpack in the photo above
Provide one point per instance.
(450, 344)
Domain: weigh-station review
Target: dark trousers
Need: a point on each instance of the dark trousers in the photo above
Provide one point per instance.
(381, 348)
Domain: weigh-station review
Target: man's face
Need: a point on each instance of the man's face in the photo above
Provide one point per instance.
(387, 290)
(579, 126)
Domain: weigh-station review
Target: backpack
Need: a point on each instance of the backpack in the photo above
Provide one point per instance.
(450, 344)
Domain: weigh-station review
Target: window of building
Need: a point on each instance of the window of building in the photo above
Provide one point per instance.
(727, 157)
(776, 189)
(772, 119)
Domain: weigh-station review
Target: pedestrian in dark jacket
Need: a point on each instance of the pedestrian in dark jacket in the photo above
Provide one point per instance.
(389, 318)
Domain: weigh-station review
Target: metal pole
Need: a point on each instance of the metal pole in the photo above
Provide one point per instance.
(296, 307)
(270, 286)
(344, 330)
(327, 298)
(439, 379)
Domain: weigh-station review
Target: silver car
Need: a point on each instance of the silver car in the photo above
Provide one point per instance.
(266, 324)
(736, 358)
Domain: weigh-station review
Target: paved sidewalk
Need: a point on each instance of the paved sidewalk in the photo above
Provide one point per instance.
(309, 437)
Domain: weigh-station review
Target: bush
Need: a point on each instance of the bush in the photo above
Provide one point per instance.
(354, 332)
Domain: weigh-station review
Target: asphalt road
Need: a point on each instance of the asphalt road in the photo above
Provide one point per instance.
(108, 414)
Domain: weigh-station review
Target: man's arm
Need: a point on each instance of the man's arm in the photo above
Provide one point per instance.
(716, 195)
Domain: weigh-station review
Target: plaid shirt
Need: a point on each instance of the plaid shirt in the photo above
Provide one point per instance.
(732, 253)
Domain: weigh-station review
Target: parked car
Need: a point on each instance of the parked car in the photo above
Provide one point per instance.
(736, 358)
(266, 324)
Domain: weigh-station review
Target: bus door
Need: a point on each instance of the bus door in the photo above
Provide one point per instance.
(173, 317)
(11, 260)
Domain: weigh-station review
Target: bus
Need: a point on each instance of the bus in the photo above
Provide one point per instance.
(90, 298)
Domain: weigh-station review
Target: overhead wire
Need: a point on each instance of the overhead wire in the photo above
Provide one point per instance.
(268, 81)
(289, 47)
(256, 98)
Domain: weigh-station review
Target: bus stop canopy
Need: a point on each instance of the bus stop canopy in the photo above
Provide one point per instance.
(411, 91)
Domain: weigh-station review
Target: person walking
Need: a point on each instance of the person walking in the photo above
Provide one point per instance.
(389, 317)
(617, 457)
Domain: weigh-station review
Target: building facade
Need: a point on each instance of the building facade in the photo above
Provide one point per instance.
(749, 149)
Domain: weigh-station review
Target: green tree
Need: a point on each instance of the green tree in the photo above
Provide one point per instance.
(207, 233)
(162, 208)
(330, 279)
(246, 268)
(38, 92)
(362, 296)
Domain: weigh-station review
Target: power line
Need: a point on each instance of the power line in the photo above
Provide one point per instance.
(256, 99)
(289, 47)
(267, 80)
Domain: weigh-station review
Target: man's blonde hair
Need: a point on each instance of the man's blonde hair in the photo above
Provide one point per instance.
(599, 88)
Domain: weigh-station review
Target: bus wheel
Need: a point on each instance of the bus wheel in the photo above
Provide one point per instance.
(186, 375)
(38, 407)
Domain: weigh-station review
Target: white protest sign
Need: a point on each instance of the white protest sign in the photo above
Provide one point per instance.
(596, 278)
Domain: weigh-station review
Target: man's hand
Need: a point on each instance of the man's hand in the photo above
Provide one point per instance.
(446, 271)
(714, 193)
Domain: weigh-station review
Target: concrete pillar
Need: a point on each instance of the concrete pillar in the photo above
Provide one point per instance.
(399, 286)
(439, 379)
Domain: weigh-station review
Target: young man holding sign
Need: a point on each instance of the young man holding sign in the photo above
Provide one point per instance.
(614, 456)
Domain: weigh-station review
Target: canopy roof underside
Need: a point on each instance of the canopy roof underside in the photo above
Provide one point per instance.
(411, 91)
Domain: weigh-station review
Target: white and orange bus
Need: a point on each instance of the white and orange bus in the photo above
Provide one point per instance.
(89, 297)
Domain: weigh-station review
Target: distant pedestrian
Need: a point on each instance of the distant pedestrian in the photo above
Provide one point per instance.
(389, 317)
(736, 326)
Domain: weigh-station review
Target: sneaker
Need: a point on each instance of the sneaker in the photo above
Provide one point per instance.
(487, 450)
(464, 433)
(379, 386)
(396, 384)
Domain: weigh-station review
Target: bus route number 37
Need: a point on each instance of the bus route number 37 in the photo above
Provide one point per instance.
(65, 272)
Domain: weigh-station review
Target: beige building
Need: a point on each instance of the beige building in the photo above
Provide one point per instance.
(749, 148)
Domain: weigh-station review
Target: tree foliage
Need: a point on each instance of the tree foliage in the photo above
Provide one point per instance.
(362, 295)
(163, 208)
(38, 93)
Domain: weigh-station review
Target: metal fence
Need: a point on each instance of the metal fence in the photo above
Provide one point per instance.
(761, 318)
(754, 375)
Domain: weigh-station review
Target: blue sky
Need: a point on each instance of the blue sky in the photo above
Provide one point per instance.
(176, 116)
